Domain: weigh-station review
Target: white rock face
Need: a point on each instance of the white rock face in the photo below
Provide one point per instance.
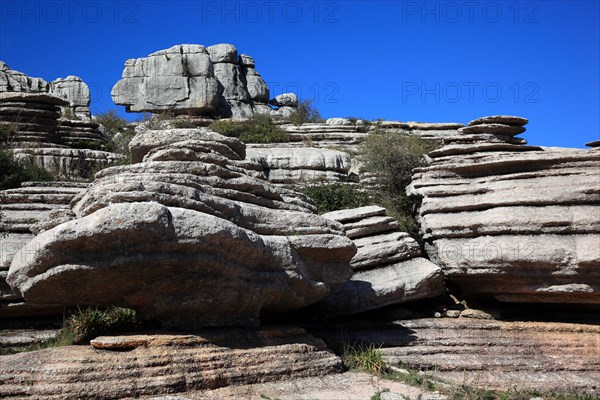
(77, 93)
(514, 223)
(285, 100)
(338, 121)
(295, 165)
(185, 237)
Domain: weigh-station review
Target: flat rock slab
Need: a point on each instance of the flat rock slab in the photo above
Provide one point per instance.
(595, 143)
(500, 119)
(549, 357)
(347, 386)
(169, 364)
(493, 128)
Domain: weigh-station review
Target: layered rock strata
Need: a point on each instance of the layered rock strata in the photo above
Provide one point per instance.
(164, 364)
(388, 267)
(186, 237)
(511, 222)
(22, 209)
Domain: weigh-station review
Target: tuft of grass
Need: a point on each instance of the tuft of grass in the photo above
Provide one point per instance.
(367, 358)
(305, 113)
(336, 196)
(259, 128)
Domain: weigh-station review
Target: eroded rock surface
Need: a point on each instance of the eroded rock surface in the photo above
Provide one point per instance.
(186, 237)
(167, 364)
(191, 78)
(514, 223)
(388, 267)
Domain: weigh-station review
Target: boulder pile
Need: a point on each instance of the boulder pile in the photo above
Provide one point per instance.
(187, 237)
(388, 266)
(512, 222)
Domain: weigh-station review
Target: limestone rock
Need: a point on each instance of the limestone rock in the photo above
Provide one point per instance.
(493, 128)
(294, 165)
(223, 53)
(516, 223)
(77, 93)
(387, 266)
(198, 241)
(500, 119)
(192, 79)
(15, 81)
(285, 100)
(167, 365)
(338, 121)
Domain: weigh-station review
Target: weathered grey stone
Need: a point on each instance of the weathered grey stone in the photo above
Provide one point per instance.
(257, 89)
(371, 225)
(355, 214)
(189, 218)
(300, 158)
(15, 81)
(500, 119)
(495, 128)
(77, 93)
(404, 282)
(285, 100)
(338, 121)
(283, 112)
(517, 224)
(223, 53)
(246, 61)
(435, 126)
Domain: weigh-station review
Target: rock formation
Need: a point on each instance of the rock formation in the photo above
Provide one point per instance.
(512, 222)
(72, 89)
(193, 79)
(186, 237)
(49, 124)
(146, 365)
(22, 209)
(388, 267)
(300, 165)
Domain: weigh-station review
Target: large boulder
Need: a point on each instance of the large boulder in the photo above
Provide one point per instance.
(77, 93)
(513, 223)
(192, 79)
(186, 237)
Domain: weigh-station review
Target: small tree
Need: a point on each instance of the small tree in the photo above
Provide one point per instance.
(305, 113)
(390, 158)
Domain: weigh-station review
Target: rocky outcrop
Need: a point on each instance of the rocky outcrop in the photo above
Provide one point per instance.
(388, 267)
(186, 237)
(193, 79)
(67, 148)
(166, 364)
(514, 223)
(517, 357)
(299, 165)
(21, 210)
(71, 89)
(77, 94)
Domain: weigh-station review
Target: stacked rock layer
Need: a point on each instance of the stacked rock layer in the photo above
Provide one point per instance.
(388, 267)
(186, 237)
(22, 209)
(512, 222)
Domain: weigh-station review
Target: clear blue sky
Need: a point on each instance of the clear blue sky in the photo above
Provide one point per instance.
(402, 60)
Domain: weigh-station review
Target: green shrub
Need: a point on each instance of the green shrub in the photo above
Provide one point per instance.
(305, 113)
(390, 158)
(13, 172)
(92, 322)
(111, 121)
(336, 196)
(366, 358)
(260, 128)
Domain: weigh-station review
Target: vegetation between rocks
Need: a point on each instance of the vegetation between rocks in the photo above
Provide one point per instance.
(390, 159)
(259, 128)
(305, 113)
(89, 323)
(366, 358)
(336, 196)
